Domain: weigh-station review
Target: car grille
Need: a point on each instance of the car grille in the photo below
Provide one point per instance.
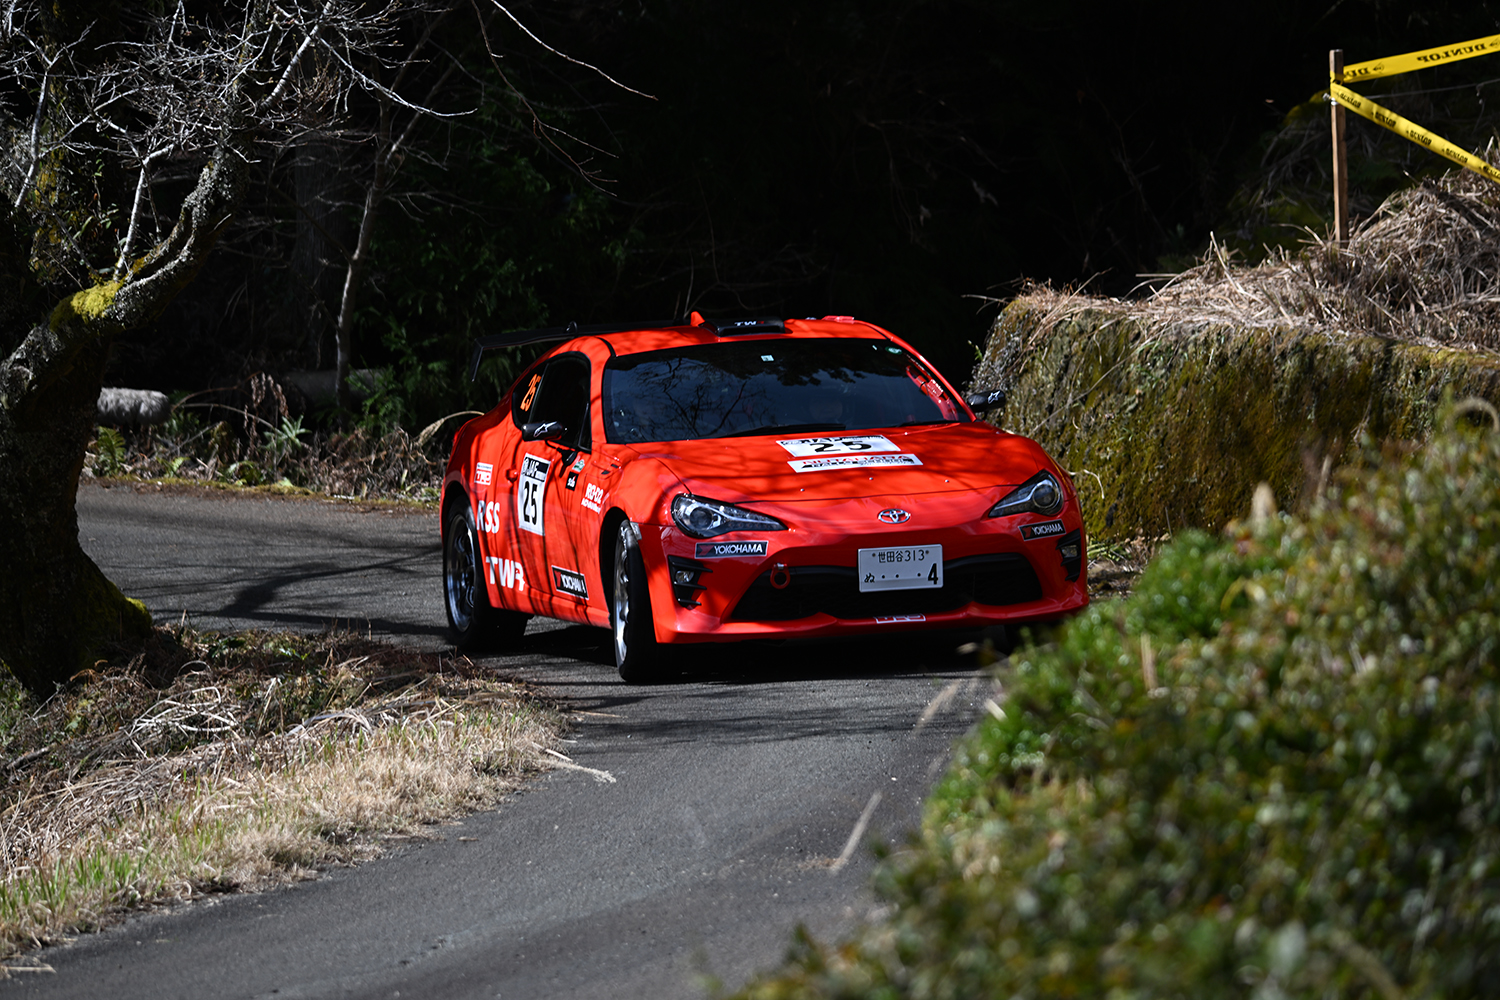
(1005, 578)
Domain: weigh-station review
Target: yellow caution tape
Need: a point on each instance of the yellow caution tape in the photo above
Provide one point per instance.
(1367, 108)
(1395, 65)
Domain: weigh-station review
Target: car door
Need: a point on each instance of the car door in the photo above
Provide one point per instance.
(494, 490)
(553, 410)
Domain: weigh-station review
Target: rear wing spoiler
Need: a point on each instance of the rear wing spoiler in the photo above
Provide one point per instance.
(520, 338)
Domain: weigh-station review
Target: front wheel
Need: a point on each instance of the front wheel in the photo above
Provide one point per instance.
(472, 622)
(637, 655)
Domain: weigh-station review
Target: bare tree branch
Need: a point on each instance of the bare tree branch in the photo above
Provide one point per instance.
(563, 55)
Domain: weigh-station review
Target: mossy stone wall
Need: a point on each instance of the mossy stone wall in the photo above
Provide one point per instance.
(1166, 426)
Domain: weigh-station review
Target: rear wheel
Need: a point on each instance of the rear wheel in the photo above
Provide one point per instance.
(472, 622)
(637, 654)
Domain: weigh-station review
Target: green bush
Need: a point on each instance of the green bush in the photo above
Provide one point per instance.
(1305, 803)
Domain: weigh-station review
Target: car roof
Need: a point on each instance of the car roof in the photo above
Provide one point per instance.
(635, 338)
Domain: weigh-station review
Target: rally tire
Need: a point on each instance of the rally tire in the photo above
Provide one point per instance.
(473, 623)
(637, 654)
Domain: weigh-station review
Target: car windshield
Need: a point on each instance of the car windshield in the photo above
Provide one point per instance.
(741, 388)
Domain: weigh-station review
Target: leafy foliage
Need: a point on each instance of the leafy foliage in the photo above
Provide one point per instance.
(513, 247)
(109, 451)
(1271, 772)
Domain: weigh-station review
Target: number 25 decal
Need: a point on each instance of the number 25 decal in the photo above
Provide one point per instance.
(529, 493)
(840, 445)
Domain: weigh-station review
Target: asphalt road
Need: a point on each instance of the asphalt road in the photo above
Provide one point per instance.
(735, 790)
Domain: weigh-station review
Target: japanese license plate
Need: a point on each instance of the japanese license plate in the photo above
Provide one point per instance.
(901, 567)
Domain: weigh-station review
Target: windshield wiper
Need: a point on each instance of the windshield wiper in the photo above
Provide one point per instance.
(783, 429)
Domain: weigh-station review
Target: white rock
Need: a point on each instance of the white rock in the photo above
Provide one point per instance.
(130, 407)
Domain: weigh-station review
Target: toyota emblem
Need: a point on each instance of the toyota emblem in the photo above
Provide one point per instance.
(894, 515)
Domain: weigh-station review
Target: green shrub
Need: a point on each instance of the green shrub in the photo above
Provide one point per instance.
(1305, 803)
(109, 452)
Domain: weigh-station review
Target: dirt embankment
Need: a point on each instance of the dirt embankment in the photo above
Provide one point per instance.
(1169, 409)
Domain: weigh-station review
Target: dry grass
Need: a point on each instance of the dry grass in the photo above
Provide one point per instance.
(1424, 268)
(1114, 566)
(218, 763)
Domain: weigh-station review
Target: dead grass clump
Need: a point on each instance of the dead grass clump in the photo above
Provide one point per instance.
(1425, 268)
(251, 759)
(1114, 566)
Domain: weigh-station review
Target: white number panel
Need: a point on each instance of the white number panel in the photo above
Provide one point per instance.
(529, 492)
(841, 445)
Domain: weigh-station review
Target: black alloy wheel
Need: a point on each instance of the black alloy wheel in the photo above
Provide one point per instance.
(637, 654)
(473, 623)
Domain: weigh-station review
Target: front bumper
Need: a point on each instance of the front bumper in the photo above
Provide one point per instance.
(804, 583)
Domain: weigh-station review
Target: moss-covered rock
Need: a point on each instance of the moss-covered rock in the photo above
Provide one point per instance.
(1169, 426)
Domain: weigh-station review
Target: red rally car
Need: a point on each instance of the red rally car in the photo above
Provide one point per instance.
(710, 482)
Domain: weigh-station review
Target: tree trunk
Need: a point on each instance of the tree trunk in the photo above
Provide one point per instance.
(58, 612)
(359, 260)
(319, 240)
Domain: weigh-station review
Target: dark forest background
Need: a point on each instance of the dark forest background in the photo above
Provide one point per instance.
(909, 162)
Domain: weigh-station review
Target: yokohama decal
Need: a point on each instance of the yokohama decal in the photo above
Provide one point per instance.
(853, 462)
(724, 550)
(565, 581)
(1047, 529)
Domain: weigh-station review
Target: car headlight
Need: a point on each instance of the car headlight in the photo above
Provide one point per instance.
(1040, 494)
(704, 518)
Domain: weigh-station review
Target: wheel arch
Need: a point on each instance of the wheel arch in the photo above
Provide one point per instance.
(610, 527)
(454, 495)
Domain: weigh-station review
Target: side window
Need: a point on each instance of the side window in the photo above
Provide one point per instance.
(561, 393)
(523, 399)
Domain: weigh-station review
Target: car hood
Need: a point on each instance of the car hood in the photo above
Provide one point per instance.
(810, 466)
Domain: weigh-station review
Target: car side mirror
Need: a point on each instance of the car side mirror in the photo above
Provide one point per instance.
(985, 400)
(546, 430)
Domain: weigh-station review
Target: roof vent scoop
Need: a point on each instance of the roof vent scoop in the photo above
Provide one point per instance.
(741, 327)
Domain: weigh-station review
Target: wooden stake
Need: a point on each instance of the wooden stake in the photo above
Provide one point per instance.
(1340, 157)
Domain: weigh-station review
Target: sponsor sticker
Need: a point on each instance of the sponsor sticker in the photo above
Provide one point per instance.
(894, 619)
(729, 550)
(593, 496)
(572, 480)
(529, 493)
(841, 445)
(488, 516)
(482, 473)
(1047, 529)
(568, 582)
(853, 462)
(506, 572)
(536, 380)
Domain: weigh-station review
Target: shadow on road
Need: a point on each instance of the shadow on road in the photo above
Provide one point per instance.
(774, 662)
(293, 622)
(705, 701)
